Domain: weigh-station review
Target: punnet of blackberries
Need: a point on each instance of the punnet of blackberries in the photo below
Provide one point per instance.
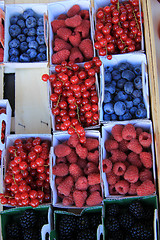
(130, 222)
(27, 227)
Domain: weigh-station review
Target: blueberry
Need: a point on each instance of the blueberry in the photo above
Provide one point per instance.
(141, 113)
(14, 19)
(108, 69)
(116, 75)
(113, 117)
(127, 116)
(136, 101)
(123, 66)
(13, 51)
(108, 77)
(128, 74)
(40, 39)
(14, 43)
(120, 118)
(108, 108)
(137, 93)
(129, 104)
(31, 32)
(120, 108)
(33, 44)
(40, 21)
(24, 57)
(23, 46)
(137, 70)
(21, 37)
(116, 98)
(128, 87)
(107, 97)
(114, 83)
(21, 23)
(121, 82)
(31, 22)
(107, 117)
(14, 58)
(41, 57)
(110, 88)
(28, 13)
(14, 30)
(32, 53)
(42, 48)
(122, 95)
(25, 31)
(133, 110)
(138, 82)
(30, 38)
(40, 30)
(141, 105)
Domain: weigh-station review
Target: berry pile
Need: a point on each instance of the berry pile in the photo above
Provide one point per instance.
(27, 227)
(129, 162)
(27, 175)
(74, 96)
(72, 39)
(2, 110)
(118, 28)
(132, 221)
(27, 42)
(84, 227)
(77, 172)
(123, 93)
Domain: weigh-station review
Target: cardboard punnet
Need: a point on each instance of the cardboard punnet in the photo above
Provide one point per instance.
(135, 59)
(146, 125)
(16, 9)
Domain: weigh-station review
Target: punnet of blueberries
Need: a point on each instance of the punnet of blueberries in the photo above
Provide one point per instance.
(27, 42)
(123, 93)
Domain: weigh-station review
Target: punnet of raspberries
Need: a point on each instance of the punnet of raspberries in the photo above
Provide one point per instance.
(118, 28)
(74, 98)
(72, 40)
(77, 172)
(27, 176)
(129, 162)
(3, 129)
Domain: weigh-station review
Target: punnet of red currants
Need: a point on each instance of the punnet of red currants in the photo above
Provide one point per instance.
(27, 176)
(118, 28)
(74, 96)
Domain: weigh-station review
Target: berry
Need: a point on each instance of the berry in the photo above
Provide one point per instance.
(94, 199)
(117, 132)
(28, 219)
(146, 159)
(119, 168)
(136, 209)
(86, 48)
(79, 198)
(73, 21)
(62, 150)
(64, 33)
(146, 188)
(134, 146)
(60, 170)
(120, 108)
(75, 9)
(131, 174)
(122, 187)
(112, 224)
(128, 132)
(112, 209)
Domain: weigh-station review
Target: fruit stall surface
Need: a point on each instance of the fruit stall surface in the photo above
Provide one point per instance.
(32, 115)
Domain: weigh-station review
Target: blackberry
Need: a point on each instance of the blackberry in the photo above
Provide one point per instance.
(137, 210)
(13, 230)
(28, 219)
(41, 221)
(141, 232)
(148, 213)
(83, 222)
(95, 220)
(126, 220)
(112, 210)
(112, 224)
(87, 234)
(118, 235)
(30, 234)
(66, 227)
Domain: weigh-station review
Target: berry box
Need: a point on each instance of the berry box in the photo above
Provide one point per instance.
(26, 36)
(129, 167)
(124, 216)
(11, 221)
(124, 88)
(70, 37)
(81, 175)
(2, 18)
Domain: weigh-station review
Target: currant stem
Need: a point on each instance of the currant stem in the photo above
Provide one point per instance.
(58, 101)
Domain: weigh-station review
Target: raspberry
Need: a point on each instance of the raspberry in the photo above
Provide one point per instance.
(79, 198)
(75, 39)
(112, 190)
(110, 145)
(93, 188)
(81, 151)
(123, 145)
(93, 156)
(117, 155)
(76, 55)
(122, 187)
(131, 174)
(145, 139)
(133, 188)
(119, 168)
(56, 24)
(65, 186)
(146, 188)
(72, 157)
(60, 56)
(64, 33)
(62, 17)
(73, 21)
(75, 9)
(90, 168)
(62, 150)
(93, 178)
(134, 146)
(145, 174)
(68, 200)
(117, 132)
(58, 180)
(60, 170)
(91, 144)
(60, 44)
(84, 14)
(138, 131)
(83, 28)
(94, 199)
(146, 159)
(107, 165)
(82, 163)
(134, 159)
(1, 54)
(73, 140)
(86, 48)
(82, 183)
(129, 132)
(112, 178)
(61, 160)
(75, 171)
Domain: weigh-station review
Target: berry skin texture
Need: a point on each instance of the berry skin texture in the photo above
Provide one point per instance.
(60, 170)
(79, 198)
(146, 188)
(76, 55)
(122, 187)
(75, 39)
(119, 168)
(146, 159)
(135, 146)
(93, 156)
(83, 28)
(118, 155)
(145, 139)
(56, 24)
(65, 186)
(75, 9)
(94, 199)
(117, 132)
(73, 140)
(82, 183)
(62, 150)
(82, 152)
(86, 48)
(107, 165)
(110, 145)
(133, 188)
(112, 178)
(93, 179)
(72, 157)
(73, 21)
(60, 44)
(60, 56)
(131, 174)
(134, 159)
(129, 132)
(75, 171)
(145, 174)
(91, 144)
(64, 33)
